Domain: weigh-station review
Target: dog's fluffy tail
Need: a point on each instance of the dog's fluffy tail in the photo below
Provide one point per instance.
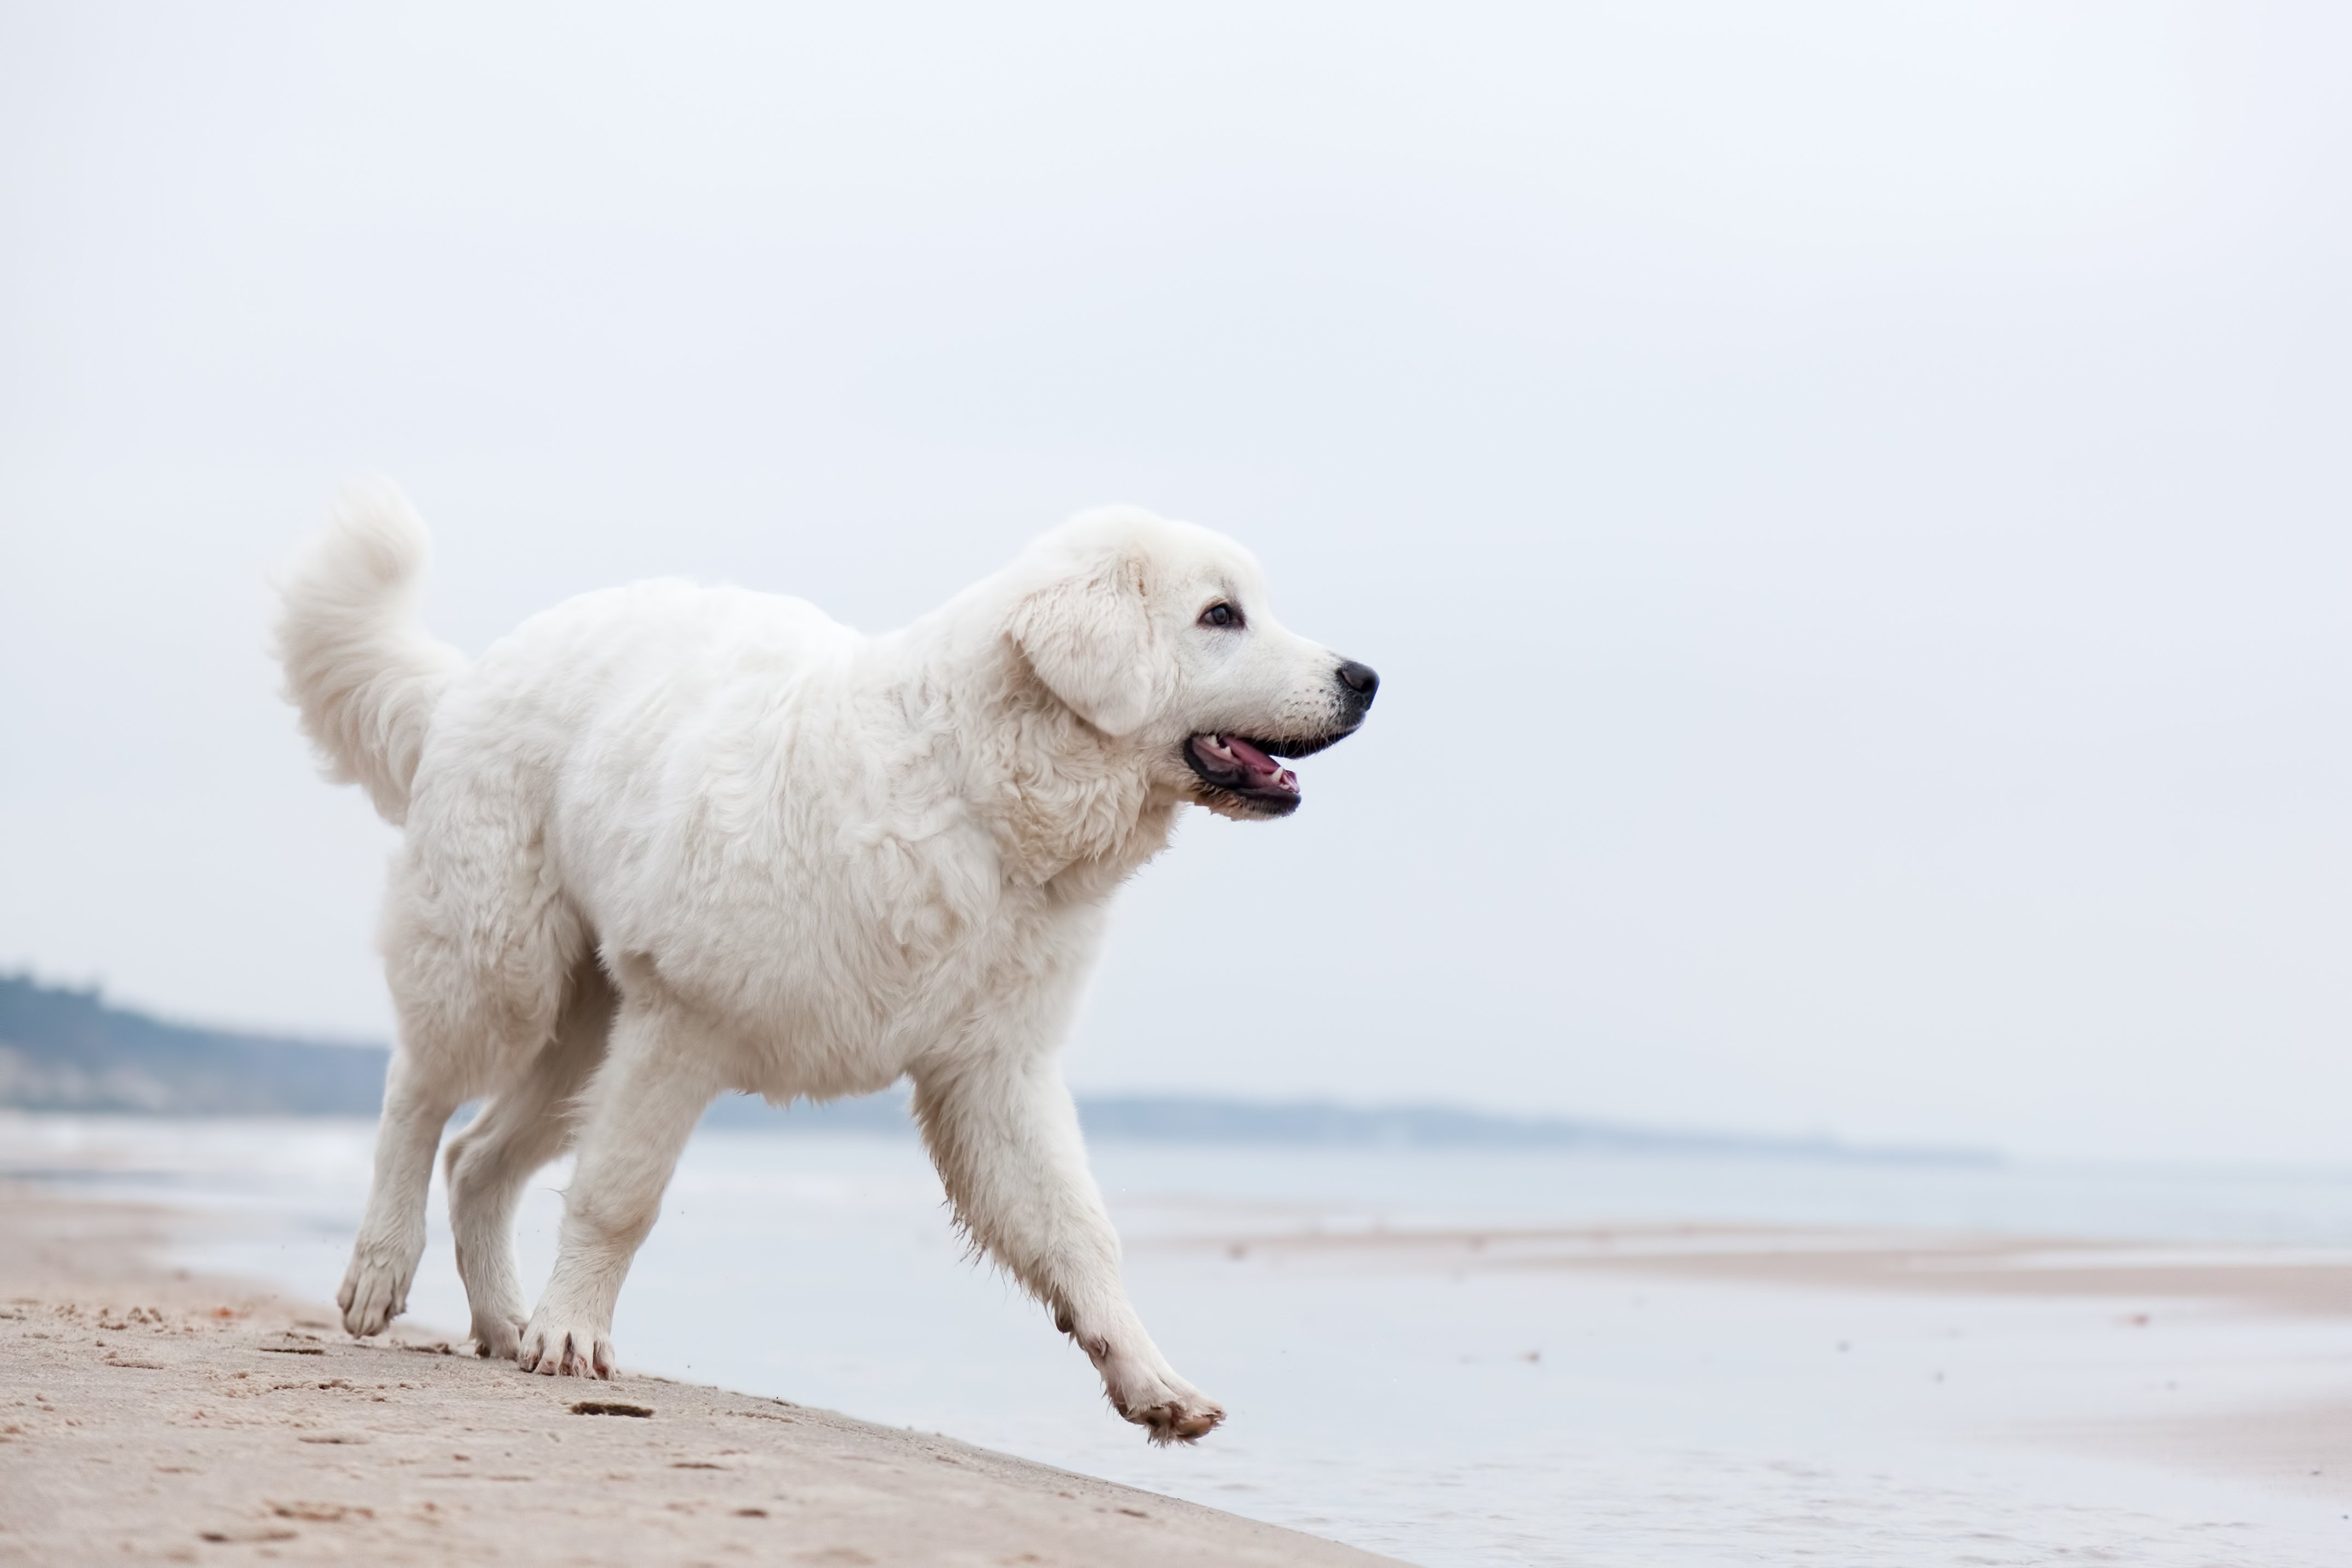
(366, 677)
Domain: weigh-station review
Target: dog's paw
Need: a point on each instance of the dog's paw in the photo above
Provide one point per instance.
(497, 1336)
(560, 1345)
(1168, 1409)
(375, 1287)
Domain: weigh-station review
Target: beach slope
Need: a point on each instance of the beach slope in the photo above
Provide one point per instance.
(147, 1416)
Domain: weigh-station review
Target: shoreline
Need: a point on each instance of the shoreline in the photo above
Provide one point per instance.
(150, 1414)
(1516, 1389)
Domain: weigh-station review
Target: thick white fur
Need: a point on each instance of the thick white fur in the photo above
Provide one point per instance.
(365, 674)
(666, 840)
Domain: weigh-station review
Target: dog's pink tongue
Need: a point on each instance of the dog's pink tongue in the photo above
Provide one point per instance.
(1249, 755)
(1265, 771)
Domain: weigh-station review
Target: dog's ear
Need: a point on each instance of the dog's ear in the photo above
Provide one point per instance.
(1089, 635)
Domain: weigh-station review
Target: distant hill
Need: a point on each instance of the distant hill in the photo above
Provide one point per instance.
(65, 1050)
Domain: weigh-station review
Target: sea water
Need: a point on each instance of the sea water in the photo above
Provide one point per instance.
(1442, 1416)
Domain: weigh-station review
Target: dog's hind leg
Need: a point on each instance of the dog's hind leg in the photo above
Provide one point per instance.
(517, 1133)
(655, 1083)
(417, 1102)
(478, 948)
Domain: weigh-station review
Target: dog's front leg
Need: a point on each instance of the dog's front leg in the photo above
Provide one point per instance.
(1005, 1135)
(643, 1105)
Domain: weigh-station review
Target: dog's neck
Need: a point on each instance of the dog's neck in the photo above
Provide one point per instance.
(1072, 809)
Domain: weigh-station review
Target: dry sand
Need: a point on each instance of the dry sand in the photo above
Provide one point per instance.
(147, 1417)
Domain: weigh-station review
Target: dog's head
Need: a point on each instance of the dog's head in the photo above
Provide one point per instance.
(1158, 634)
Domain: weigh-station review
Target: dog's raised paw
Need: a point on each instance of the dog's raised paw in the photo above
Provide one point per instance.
(1168, 1409)
(1178, 1422)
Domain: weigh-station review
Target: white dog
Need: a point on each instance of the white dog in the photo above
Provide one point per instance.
(668, 841)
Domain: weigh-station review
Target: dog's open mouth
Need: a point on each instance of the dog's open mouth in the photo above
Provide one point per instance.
(1246, 772)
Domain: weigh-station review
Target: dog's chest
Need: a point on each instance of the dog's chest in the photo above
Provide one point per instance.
(854, 990)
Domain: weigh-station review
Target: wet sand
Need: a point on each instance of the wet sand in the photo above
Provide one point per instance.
(1943, 1263)
(148, 1416)
(2302, 1447)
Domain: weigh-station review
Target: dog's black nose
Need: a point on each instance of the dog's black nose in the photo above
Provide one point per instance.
(1362, 680)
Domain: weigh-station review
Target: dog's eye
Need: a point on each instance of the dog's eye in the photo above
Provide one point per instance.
(1221, 614)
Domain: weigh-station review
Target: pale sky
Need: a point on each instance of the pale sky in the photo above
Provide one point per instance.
(1852, 504)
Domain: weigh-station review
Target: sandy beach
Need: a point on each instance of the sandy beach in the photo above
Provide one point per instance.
(150, 1416)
